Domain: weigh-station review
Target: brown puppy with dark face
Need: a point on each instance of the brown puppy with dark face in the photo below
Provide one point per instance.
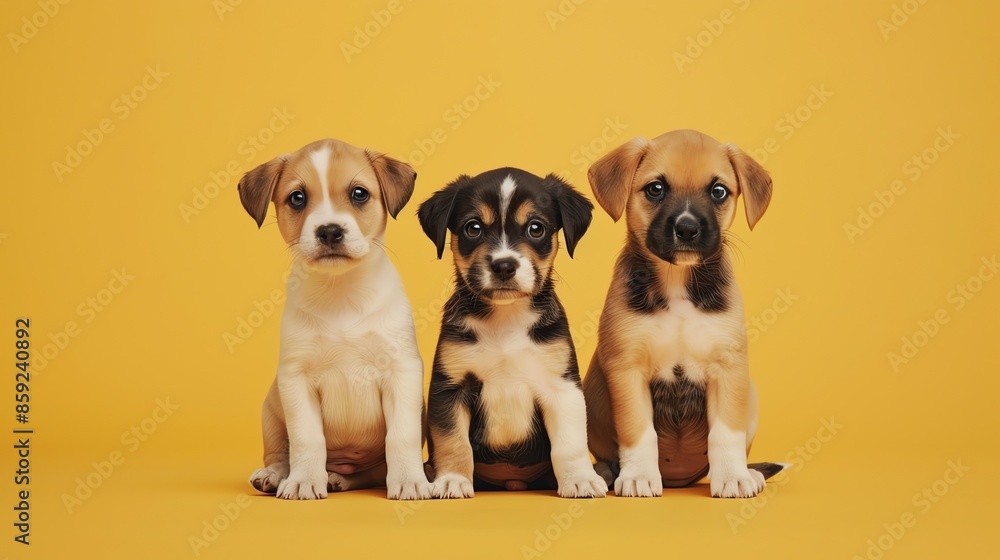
(669, 395)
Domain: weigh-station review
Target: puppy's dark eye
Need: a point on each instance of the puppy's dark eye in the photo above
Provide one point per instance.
(473, 229)
(297, 199)
(535, 229)
(359, 195)
(719, 192)
(655, 191)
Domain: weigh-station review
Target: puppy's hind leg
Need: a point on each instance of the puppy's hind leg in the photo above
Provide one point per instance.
(600, 427)
(275, 469)
(371, 478)
(608, 470)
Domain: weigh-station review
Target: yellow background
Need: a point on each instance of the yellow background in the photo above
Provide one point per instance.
(824, 358)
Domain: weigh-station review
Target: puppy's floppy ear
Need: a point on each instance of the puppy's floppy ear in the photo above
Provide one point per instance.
(755, 183)
(395, 180)
(435, 212)
(611, 176)
(573, 209)
(257, 186)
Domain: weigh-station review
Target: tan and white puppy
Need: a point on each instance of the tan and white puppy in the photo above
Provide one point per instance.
(669, 395)
(346, 407)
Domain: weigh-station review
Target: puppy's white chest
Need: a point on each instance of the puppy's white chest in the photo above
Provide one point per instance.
(504, 351)
(323, 346)
(508, 356)
(346, 367)
(685, 336)
(514, 371)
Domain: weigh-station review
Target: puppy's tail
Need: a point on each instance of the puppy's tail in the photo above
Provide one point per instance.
(768, 469)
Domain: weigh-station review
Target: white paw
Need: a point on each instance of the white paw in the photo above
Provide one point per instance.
(412, 486)
(452, 486)
(640, 485)
(298, 487)
(744, 483)
(266, 480)
(587, 485)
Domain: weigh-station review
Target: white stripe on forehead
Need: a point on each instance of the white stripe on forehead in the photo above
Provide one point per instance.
(321, 161)
(506, 191)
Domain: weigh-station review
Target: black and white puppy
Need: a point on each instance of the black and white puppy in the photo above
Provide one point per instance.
(506, 409)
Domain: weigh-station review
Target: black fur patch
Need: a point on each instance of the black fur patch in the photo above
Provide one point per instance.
(551, 324)
(445, 398)
(572, 372)
(707, 283)
(679, 408)
(546, 332)
(644, 292)
(463, 303)
(767, 469)
(660, 237)
(457, 333)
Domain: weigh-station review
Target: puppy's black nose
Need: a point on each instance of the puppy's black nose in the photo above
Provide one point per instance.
(686, 229)
(504, 269)
(330, 235)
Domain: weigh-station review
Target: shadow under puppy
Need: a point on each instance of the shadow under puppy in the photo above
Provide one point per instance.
(668, 391)
(345, 408)
(505, 408)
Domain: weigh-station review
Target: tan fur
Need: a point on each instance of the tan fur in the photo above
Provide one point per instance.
(395, 180)
(617, 385)
(349, 167)
(692, 159)
(462, 263)
(523, 211)
(754, 182)
(612, 175)
(452, 452)
(486, 213)
(345, 409)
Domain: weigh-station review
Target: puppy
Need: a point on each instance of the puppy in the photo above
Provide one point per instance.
(346, 406)
(505, 408)
(668, 391)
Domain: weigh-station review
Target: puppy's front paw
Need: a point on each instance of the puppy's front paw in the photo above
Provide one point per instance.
(587, 485)
(298, 487)
(745, 483)
(631, 483)
(266, 480)
(408, 487)
(452, 486)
